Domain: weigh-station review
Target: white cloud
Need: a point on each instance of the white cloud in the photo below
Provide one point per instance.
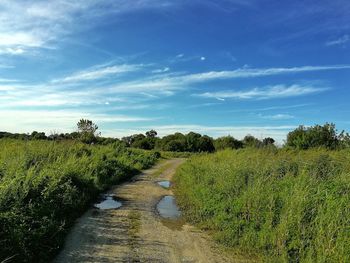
(99, 72)
(5, 66)
(255, 72)
(20, 39)
(72, 90)
(340, 41)
(28, 25)
(12, 51)
(163, 70)
(277, 117)
(163, 84)
(271, 92)
(2, 80)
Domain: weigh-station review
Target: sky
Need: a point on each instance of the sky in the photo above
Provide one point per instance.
(217, 67)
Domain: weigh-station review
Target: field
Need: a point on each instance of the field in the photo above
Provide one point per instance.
(286, 205)
(45, 186)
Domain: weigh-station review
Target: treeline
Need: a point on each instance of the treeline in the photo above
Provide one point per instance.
(325, 136)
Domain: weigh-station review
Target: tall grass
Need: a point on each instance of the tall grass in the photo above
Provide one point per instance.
(45, 186)
(289, 206)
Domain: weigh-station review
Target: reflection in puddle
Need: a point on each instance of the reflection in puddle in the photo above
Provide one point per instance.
(109, 201)
(167, 208)
(165, 184)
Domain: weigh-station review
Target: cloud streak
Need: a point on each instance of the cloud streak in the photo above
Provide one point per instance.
(99, 72)
(340, 41)
(271, 92)
(256, 72)
(277, 117)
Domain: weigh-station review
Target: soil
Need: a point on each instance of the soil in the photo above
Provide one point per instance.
(136, 233)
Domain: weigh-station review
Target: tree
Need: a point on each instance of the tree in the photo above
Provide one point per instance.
(227, 142)
(38, 135)
(251, 141)
(151, 134)
(314, 136)
(192, 141)
(268, 141)
(205, 144)
(87, 130)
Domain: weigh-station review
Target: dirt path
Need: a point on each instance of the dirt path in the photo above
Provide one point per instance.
(135, 232)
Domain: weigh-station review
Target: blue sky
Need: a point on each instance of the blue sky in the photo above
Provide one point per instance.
(215, 67)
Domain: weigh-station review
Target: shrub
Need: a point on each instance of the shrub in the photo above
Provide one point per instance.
(46, 185)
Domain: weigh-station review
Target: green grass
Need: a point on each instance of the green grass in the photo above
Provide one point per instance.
(45, 186)
(288, 206)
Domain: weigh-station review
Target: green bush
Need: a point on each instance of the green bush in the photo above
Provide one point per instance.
(287, 205)
(45, 186)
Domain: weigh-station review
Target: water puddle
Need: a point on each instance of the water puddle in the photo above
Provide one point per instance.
(164, 184)
(109, 201)
(167, 208)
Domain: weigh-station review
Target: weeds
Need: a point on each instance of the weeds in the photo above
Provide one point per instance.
(45, 186)
(290, 206)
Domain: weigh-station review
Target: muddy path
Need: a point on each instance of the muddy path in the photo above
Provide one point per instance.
(135, 232)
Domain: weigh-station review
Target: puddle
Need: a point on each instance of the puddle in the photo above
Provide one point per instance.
(165, 184)
(167, 208)
(109, 201)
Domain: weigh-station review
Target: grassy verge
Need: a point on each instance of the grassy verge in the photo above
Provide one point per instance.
(45, 186)
(289, 206)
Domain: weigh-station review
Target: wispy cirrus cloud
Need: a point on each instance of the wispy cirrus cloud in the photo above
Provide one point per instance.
(271, 92)
(99, 72)
(162, 70)
(340, 41)
(31, 25)
(94, 91)
(256, 72)
(174, 82)
(279, 116)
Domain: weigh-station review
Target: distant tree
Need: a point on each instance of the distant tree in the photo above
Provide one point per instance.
(38, 135)
(268, 141)
(344, 139)
(206, 144)
(314, 136)
(173, 142)
(251, 141)
(175, 145)
(87, 131)
(227, 142)
(192, 141)
(151, 134)
(144, 143)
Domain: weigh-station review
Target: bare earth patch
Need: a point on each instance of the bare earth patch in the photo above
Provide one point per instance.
(136, 233)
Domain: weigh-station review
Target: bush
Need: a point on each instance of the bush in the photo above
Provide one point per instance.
(45, 186)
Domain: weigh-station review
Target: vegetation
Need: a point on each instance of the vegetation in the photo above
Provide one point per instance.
(87, 131)
(289, 205)
(318, 136)
(46, 185)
